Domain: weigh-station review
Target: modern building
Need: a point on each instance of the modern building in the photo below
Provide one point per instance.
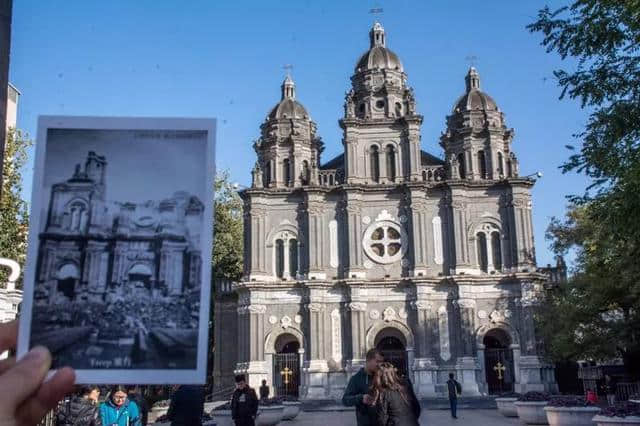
(430, 260)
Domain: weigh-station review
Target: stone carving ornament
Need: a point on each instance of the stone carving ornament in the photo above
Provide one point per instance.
(358, 306)
(496, 316)
(389, 314)
(285, 322)
(421, 305)
(482, 314)
(374, 314)
(273, 319)
(402, 313)
(314, 307)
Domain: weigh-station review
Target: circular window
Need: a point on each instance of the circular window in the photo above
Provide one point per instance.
(380, 104)
(385, 242)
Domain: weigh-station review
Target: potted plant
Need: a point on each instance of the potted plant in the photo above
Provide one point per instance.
(159, 409)
(530, 408)
(505, 404)
(570, 411)
(270, 411)
(222, 415)
(622, 414)
(291, 407)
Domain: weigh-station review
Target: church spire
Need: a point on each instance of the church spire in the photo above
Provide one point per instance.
(472, 79)
(288, 88)
(376, 35)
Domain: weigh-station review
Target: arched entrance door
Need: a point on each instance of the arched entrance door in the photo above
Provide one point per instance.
(68, 277)
(286, 366)
(391, 343)
(498, 361)
(140, 279)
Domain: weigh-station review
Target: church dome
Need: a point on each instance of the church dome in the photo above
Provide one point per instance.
(288, 107)
(474, 98)
(378, 56)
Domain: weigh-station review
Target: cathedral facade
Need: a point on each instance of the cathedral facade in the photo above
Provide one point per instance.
(430, 260)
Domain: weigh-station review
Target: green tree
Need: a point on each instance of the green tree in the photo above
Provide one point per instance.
(228, 230)
(14, 217)
(596, 314)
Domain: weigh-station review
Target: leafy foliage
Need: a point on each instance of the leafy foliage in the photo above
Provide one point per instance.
(14, 215)
(569, 401)
(228, 230)
(595, 315)
(534, 397)
(622, 409)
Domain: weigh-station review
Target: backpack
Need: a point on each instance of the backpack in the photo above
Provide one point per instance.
(458, 387)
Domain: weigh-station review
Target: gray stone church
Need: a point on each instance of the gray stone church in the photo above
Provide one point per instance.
(431, 261)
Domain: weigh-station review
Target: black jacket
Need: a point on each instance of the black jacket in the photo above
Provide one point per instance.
(393, 410)
(356, 389)
(454, 388)
(244, 405)
(187, 406)
(78, 411)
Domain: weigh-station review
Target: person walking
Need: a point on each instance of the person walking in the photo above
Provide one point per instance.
(609, 388)
(454, 389)
(244, 403)
(396, 403)
(118, 410)
(357, 392)
(187, 406)
(264, 390)
(81, 409)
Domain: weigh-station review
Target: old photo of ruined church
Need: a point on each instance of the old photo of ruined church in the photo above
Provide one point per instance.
(118, 276)
(430, 260)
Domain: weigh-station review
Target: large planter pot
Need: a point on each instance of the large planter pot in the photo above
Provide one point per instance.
(222, 417)
(291, 409)
(506, 407)
(532, 412)
(617, 421)
(157, 412)
(269, 415)
(571, 416)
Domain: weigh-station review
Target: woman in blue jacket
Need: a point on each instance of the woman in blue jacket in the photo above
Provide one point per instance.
(118, 410)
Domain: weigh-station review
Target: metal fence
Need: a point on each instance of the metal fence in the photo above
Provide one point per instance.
(624, 390)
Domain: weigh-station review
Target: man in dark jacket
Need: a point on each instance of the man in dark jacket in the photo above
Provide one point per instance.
(134, 394)
(454, 390)
(244, 403)
(81, 409)
(187, 406)
(357, 392)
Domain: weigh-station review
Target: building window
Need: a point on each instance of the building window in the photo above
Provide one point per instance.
(500, 164)
(267, 173)
(279, 258)
(384, 242)
(286, 171)
(482, 165)
(306, 174)
(398, 109)
(293, 257)
(462, 171)
(391, 163)
(481, 248)
(380, 104)
(375, 164)
(496, 251)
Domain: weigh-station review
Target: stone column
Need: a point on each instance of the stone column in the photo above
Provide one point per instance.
(255, 338)
(354, 236)
(522, 239)
(424, 367)
(317, 368)
(257, 244)
(315, 218)
(461, 246)
(358, 332)
(420, 234)
(482, 383)
(467, 363)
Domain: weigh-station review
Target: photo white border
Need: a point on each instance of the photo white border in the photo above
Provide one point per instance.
(124, 376)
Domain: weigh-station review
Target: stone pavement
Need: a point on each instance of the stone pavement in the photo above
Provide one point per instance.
(428, 417)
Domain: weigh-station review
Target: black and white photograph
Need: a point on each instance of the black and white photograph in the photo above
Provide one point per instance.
(118, 269)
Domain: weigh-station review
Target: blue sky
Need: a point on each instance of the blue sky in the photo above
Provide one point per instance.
(224, 59)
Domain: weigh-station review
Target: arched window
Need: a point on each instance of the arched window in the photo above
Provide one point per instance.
(398, 109)
(462, 170)
(375, 164)
(509, 168)
(286, 171)
(267, 173)
(500, 164)
(482, 165)
(77, 216)
(496, 251)
(424, 175)
(293, 257)
(391, 163)
(481, 249)
(279, 258)
(306, 173)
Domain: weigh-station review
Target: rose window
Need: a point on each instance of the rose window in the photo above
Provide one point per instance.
(384, 242)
